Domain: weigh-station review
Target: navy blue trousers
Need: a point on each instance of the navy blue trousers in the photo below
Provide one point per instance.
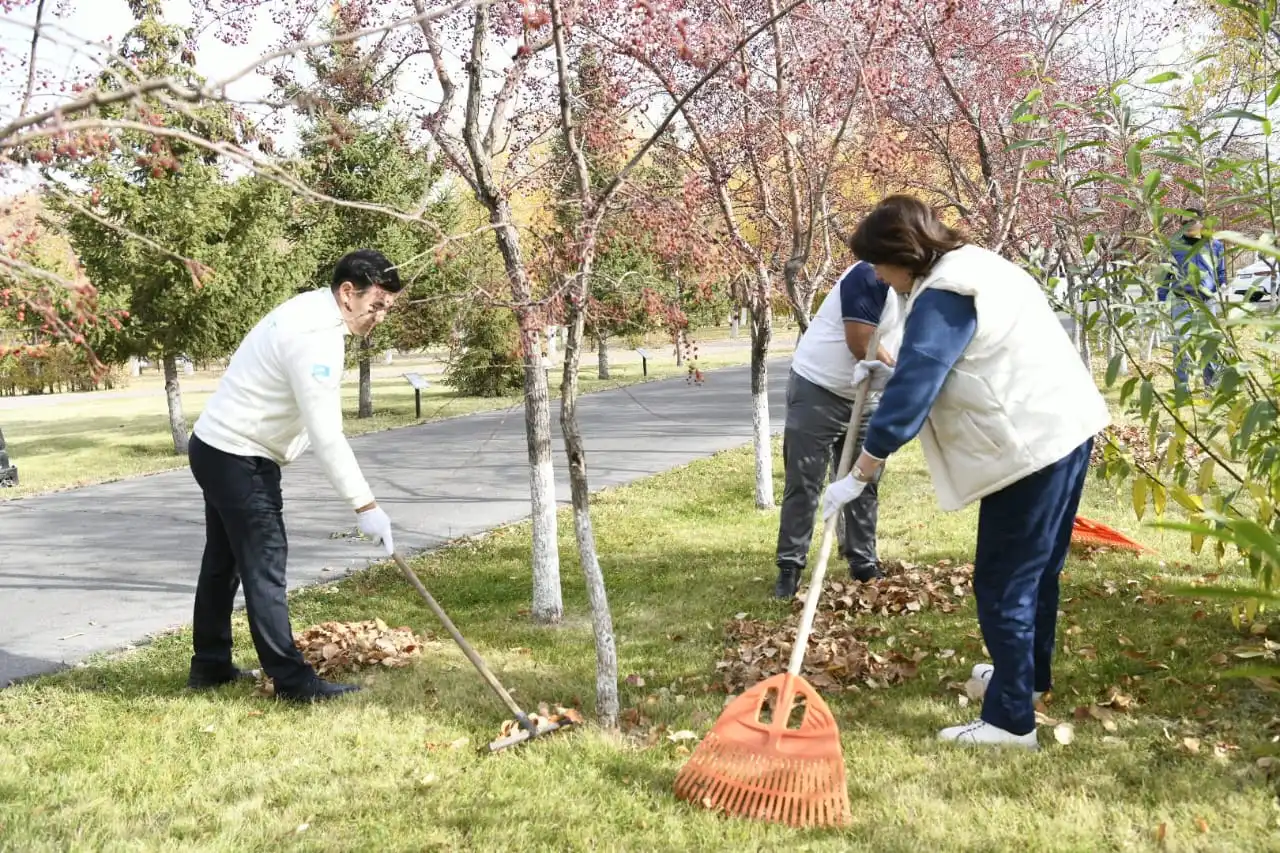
(1024, 532)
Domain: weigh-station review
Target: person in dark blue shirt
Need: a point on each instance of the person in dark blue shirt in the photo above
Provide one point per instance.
(1006, 413)
(1198, 280)
(820, 395)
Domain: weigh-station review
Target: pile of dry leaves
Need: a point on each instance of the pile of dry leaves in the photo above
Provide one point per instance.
(1136, 440)
(544, 716)
(338, 646)
(838, 656)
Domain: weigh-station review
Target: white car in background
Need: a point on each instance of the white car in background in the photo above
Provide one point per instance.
(1258, 282)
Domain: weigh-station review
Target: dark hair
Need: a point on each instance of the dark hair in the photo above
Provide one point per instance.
(366, 268)
(1194, 214)
(903, 231)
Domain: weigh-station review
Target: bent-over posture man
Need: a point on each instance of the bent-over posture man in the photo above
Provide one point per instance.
(281, 393)
(820, 393)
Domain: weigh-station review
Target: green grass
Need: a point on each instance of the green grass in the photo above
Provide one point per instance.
(82, 440)
(117, 756)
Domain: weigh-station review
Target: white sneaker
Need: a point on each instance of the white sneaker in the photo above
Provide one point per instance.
(980, 733)
(982, 673)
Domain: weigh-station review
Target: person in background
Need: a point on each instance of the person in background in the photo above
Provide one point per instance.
(282, 392)
(1198, 279)
(1006, 412)
(820, 391)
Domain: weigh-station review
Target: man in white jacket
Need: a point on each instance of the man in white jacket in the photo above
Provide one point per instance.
(281, 393)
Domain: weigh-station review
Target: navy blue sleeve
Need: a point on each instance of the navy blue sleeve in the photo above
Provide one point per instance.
(938, 329)
(862, 295)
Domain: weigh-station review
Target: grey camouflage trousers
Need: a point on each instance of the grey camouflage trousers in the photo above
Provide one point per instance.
(812, 441)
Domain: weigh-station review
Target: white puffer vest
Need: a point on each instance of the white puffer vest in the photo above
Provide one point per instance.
(1019, 398)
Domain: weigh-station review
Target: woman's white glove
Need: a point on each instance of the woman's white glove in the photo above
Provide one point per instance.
(376, 524)
(877, 370)
(840, 493)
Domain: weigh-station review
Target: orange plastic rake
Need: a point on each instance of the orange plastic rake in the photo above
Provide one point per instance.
(1086, 532)
(780, 770)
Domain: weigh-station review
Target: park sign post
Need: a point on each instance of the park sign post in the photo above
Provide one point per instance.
(8, 471)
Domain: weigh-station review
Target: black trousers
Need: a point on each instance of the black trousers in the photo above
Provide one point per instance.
(244, 542)
(812, 441)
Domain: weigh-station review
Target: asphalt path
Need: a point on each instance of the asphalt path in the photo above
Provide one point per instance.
(104, 567)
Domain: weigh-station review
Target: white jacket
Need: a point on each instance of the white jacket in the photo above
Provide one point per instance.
(1019, 398)
(283, 391)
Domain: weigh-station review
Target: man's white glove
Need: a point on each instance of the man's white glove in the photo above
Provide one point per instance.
(877, 370)
(376, 524)
(840, 493)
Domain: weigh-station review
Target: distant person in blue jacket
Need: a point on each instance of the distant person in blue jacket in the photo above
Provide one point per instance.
(1198, 280)
(1006, 412)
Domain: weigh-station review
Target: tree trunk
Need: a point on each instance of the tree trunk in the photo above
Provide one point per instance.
(679, 336)
(366, 378)
(602, 354)
(548, 603)
(601, 617)
(1085, 353)
(733, 322)
(173, 394)
(761, 332)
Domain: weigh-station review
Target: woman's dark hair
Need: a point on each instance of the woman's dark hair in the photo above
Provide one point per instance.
(366, 268)
(902, 230)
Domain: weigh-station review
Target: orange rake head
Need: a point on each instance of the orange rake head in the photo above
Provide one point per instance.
(787, 769)
(1086, 532)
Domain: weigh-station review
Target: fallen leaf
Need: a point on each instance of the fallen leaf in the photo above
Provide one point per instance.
(1191, 745)
(460, 743)
(635, 681)
(683, 734)
(302, 827)
(1064, 733)
(1202, 824)
(1160, 833)
(348, 646)
(208, 729)
(838, 656)
(1219, 659)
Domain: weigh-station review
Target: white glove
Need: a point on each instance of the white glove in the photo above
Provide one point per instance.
(877, 370)
(840, 493)
(376, 524)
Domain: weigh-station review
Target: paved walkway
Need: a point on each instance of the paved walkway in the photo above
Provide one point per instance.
(104, 566)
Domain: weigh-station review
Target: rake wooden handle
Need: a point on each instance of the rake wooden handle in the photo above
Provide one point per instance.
(829, 528)
(475, 659)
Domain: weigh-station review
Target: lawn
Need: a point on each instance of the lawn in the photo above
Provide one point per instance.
(118, 756)
(80, 440)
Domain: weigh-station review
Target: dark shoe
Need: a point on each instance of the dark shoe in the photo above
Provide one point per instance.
(315, 691)
(204, 679)
(866, 573)
(788, 583)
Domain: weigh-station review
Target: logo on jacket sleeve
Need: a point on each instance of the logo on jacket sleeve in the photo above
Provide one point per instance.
(320, 371)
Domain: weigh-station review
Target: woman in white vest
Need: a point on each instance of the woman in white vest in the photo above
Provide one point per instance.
(1006, 412)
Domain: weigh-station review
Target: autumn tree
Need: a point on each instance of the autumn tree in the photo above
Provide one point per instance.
(221, 266)
(767, 137)
(354, 148)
